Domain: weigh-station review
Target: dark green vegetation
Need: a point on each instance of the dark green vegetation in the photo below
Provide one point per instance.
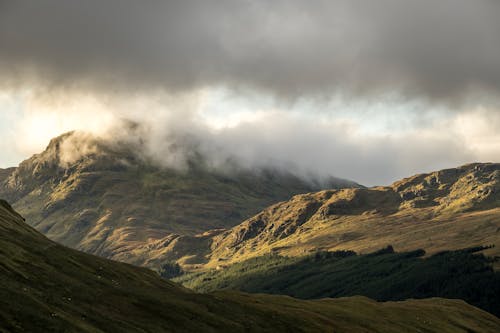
(46, 287)
(103, 198)
(382, 275)
(170, 270)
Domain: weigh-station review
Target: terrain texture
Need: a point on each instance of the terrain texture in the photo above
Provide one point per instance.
(443, 210)
(48, 287)
(104, 198)
(383, 275)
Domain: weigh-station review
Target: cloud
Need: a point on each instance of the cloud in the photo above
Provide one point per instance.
(444, 51)
(418, 81)
(303, 145)
(169, 130)
(307, 146)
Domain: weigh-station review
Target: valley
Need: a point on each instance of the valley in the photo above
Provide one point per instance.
(431, 235)
(59, 289)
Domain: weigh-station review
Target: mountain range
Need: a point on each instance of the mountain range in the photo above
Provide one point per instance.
(48, 287)
(102, 197)
(443, 210)
(109, 201)
(260, 231)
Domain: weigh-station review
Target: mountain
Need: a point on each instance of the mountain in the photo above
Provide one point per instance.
(382, 275)
(5, 173)
(443, 210)
(105, 198)
(48, 287)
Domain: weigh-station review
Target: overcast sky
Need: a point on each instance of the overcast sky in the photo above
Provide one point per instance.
(367, 90)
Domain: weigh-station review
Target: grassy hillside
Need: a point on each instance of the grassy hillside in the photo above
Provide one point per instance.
(112, 203)
(443, 210)
(47, 287)
(382, 275)
(105, 199)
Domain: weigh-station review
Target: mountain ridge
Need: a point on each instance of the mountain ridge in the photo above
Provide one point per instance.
(104, 198)
(411, 211)
(59, 289)
(109, 202)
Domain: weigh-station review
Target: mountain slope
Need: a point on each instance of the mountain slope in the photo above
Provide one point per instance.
(103, 198)
(58, 289)
(5, 173)
(443, 210)
(382, 275)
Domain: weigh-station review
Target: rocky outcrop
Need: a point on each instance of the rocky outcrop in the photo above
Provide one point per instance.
(331, 218)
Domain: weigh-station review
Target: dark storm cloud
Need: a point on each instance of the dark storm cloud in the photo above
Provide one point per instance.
(440, 50)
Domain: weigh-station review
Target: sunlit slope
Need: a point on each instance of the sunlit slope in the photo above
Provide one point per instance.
(443, 210)
(104, 198)
(48, 287)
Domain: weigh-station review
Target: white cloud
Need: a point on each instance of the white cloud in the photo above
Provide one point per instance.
(370, 144)
(480, 130)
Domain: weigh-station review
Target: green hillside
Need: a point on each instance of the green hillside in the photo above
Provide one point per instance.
(50, 288)
(114, 204)
(383, 275)
(106, 199)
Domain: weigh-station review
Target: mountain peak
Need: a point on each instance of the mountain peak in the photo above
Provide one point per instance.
(458, 205)
(469, 187)
(98, 195)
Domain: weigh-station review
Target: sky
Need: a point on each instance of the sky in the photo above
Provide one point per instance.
(366, 90)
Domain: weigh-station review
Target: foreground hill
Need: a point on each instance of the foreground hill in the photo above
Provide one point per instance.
(383, 275)
(58, 289)
(443, 210)
(104, 198)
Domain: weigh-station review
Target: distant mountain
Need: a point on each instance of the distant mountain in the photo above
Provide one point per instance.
(46, 287)
(104, 198)
(443, 210)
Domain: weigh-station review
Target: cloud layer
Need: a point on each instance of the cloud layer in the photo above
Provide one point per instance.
(441, 50)
(308, 145)
(419, 81)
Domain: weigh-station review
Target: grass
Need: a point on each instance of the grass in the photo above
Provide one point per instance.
(48, 287)
(383, 275)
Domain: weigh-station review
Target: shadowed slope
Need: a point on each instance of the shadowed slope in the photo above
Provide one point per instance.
(382, 275)
(47, 287)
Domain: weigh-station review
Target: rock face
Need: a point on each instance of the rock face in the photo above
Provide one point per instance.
(448, 208)
(103, 198)
(468, 188)
(57, 289)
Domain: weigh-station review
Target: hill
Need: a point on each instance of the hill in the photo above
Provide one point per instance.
(105, 198)
(443, 210)
(58, 289)
(109, 201)
(383, 275)
(5, 173)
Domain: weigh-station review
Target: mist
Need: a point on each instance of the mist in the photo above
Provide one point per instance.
(308, 146)
(364, 90)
